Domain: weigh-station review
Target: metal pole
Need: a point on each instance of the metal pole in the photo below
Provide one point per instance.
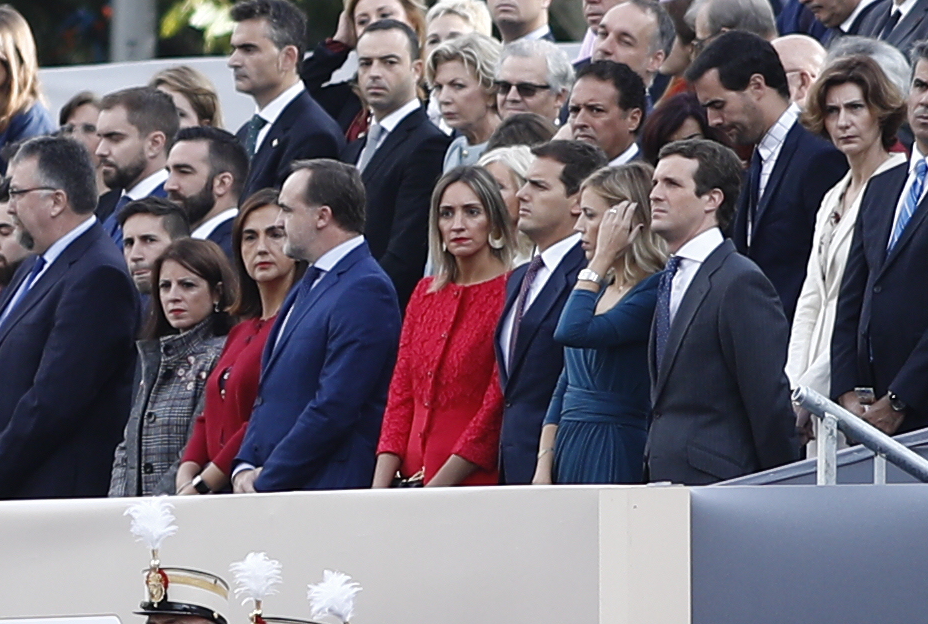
(879, 469)
(871, 437)
(133, 30)
(827, 472)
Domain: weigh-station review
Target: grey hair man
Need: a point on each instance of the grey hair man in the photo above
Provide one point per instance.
(533, 76)
(638, 33)
(711, 18)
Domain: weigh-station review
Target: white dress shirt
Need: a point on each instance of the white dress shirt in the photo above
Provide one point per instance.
(206, 228)
(551, 257)
(846, 24)
(691, 255)
(625, 156)
(146, 186)
(391, 121)
(538, 33)
(274, 108)
(769, 149)
(51, 254)
(916, 156)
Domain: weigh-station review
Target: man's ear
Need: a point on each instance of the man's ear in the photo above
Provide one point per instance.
(575, 204)
(155, 144)
(222, 184)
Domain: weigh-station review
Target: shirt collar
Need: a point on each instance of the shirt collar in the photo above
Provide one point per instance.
(553, 255)
(699, 247)
(275, 107)
(777, 133)
(391, 121)
(903, 8)
(58, 247)
(846, 24)
(916, 156)
(145, 187)
(332, 257)
(206, 228)
(538, 33)
(625, 156)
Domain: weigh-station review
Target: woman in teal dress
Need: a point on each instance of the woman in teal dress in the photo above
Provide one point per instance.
(597, 421)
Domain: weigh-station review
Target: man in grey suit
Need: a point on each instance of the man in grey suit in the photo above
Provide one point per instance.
(720, 398)
(899, 23)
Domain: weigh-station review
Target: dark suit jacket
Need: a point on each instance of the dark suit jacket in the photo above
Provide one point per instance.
(805, 169)
(111, 224)
(880, 338)
(399, 180)
(721, 402)
(323, 388)
(911, 28)
(222, 236)
(339, 100)
(530, 380)
(879, 7)
(67, 356)
(303, 130)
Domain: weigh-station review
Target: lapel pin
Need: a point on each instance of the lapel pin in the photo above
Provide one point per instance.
(274, 143)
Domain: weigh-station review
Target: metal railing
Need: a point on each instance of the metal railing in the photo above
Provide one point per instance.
(833, 418)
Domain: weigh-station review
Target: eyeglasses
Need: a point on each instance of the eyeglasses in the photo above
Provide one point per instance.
(15, 194)
(526, 89)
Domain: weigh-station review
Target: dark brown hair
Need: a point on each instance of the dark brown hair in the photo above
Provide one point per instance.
(881, 96)
(207, 260)
(248, 302)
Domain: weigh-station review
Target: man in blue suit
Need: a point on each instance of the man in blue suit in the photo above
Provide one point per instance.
(288, 125)
(740, 80)
(529, 360)
(67, 327)
(330, 355)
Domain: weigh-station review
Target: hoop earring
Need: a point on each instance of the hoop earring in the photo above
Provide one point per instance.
(444, 246)
(496, 242)
(216, 307)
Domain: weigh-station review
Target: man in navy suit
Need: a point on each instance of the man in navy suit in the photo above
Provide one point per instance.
(136, 128)
(67, 327)
(207, 168)
(740, 80)
(879, 339)
(401, 157)
(267, 48)
(529, 360)
(330, 355)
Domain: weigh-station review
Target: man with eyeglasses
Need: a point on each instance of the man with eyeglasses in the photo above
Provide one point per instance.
(533, 76)
(12, 249)
(67, 327)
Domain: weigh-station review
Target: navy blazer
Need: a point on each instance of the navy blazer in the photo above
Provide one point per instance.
(324, 381)
(222, 236)
(303, 130)
(911, 28)
(399, 180)
(880, 338)
(530, 380)
(67, 356)
(721, 402)
(806, 168)
(111, 223)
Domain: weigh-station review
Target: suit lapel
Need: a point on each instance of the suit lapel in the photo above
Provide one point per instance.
(779, 170)
(914, 223)
(392, 142)
(512, 293)
(907, 24)
(689, 305)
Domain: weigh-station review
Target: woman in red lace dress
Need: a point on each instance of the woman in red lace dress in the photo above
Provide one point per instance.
(445, 406)
(266, 275)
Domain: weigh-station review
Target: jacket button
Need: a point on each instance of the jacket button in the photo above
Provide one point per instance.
(426, 403)
(429, 373)
(148, 468)
(877, 289)
(150, 417)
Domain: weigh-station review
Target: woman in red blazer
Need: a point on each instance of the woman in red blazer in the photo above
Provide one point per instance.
(266, 275)
(445, 406)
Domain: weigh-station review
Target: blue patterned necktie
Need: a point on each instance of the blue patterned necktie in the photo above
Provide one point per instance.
(911, 203)
(662, 322)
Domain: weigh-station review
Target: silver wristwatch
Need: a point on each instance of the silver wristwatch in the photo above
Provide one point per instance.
(589, 275)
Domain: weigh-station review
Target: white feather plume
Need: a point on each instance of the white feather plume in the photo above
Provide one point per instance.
(152, 520)
(256, 576)
(333, 596)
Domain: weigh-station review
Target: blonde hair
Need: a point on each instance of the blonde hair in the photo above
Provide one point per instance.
(474, 12)
(632, 182)
(197, 88)
(478, 53)
(484, 187)
(415, 13)
(18, 54)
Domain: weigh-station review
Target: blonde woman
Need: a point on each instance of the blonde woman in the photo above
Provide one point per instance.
(508, 166)
(22, 113)
(193, 93)
(445, 406)
(597, 422)
(461, 74)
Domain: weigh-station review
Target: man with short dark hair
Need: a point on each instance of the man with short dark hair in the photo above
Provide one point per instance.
(720, 397)
(207, 168)
(401, 157)
(67, 332)
(149, 225)
(521, 19)
(330, 354)
(740, 80)
(528, 359)
(638, 33)
(136, 127)
(267, 49)
(607, 109)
